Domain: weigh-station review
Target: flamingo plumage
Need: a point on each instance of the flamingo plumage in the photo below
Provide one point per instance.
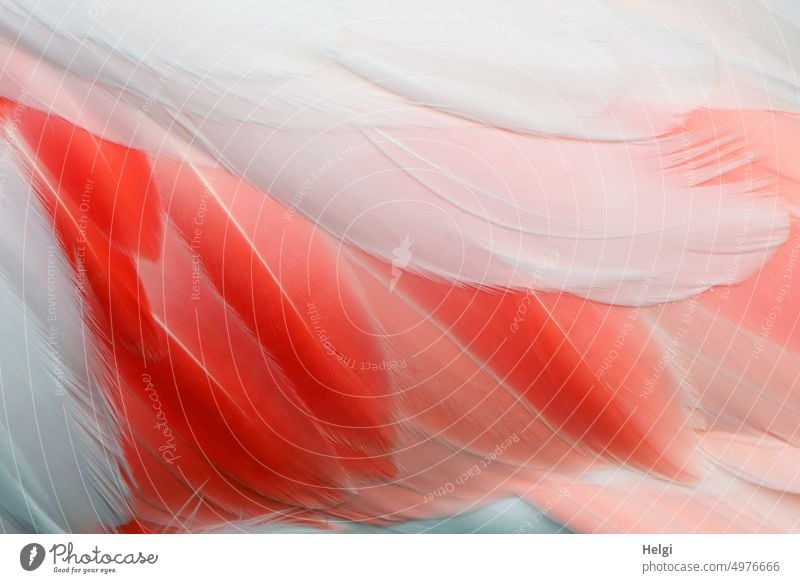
(343, 265)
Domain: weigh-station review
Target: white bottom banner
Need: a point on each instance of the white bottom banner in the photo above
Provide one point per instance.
(406, 558)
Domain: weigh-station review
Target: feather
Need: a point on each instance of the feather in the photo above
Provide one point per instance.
(347, 97)
(328, 279)
(62, 466)
(409, 398)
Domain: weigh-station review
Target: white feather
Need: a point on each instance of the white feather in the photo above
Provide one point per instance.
(59, 456)
(757, 41)
(443, 125)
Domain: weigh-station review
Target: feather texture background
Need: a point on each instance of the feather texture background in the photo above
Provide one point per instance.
(356, 266)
